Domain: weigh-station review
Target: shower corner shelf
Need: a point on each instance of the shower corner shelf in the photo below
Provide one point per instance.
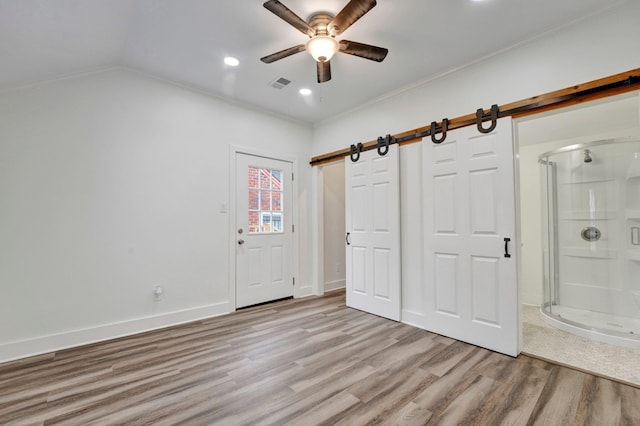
(575, 181)
(599, 214)
(633, 214)
(600, 253)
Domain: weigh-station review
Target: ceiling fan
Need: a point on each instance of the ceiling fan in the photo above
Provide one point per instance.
(322, 29)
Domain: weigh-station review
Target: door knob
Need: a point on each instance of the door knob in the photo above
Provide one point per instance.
(240, 242)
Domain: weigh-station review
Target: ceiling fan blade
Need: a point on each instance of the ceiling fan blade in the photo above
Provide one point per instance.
(284, 13)
(324, 71)
(349, 14)
(362, 50)
(283, 54)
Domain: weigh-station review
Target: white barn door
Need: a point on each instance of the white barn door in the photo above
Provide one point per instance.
(372, 203)
(471, 282)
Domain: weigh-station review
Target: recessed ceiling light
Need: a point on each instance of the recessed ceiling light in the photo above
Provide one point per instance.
(231, 61)
(305, 91)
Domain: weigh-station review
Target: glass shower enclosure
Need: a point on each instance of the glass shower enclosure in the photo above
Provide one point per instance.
(591, 239)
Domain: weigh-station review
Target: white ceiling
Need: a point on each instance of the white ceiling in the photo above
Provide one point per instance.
(185, 41)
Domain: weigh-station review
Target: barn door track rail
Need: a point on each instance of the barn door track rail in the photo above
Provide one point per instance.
(596, 89)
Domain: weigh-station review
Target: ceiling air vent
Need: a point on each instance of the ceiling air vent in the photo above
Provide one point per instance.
(280, 83)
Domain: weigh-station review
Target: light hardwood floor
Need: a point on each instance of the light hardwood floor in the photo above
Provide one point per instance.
(307, 362)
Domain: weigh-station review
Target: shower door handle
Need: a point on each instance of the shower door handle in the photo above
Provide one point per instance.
(506, 247)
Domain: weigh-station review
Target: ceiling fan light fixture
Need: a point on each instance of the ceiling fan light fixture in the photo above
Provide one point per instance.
(322, 48)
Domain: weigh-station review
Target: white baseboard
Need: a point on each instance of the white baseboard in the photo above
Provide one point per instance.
(414, 319)
(334, 285)
(531, 298)
(303, 291)
(41, 345)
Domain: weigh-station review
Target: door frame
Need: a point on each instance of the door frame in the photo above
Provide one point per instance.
(234, 150)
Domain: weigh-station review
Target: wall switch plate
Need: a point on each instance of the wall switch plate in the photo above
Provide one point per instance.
(158, 292)
(635, 236)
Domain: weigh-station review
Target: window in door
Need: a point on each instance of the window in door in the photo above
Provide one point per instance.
(265, 201)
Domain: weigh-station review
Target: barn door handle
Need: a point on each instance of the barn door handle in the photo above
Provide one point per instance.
(348, 238)
(506, 247)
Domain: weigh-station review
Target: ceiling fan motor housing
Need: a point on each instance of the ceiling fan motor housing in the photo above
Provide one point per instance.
(322, 46)
(319, 22)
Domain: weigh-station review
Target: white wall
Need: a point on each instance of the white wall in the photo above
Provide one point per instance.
(587, 50)
(334, 226)
(111, 184)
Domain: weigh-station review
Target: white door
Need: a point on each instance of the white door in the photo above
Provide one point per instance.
(372, 203)
(469, 195)
(264, 231)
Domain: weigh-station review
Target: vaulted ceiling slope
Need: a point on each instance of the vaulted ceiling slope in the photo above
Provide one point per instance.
(185, 41)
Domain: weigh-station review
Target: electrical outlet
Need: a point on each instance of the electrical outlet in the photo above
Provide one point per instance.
(158, 292)
(338, 267)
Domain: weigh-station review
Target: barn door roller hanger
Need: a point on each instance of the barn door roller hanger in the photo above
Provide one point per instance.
(382, 143)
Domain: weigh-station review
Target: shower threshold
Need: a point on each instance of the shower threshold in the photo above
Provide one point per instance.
(607, 328)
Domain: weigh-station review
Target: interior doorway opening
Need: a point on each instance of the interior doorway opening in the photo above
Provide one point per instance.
(333, 206)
